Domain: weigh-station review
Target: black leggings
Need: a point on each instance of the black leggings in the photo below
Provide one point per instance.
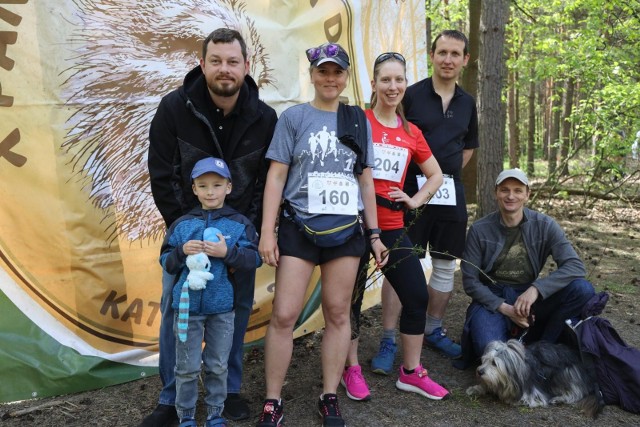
(405, 273)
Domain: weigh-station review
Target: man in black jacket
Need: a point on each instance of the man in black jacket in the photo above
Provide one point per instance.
(216, 112)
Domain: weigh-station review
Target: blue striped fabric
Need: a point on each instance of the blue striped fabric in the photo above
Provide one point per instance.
(183, 312)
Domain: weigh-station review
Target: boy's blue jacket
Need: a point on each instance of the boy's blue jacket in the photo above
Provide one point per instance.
(242, 254)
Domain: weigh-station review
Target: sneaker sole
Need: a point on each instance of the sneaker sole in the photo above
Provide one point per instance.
(351, 396)
(380, 371)
(413, 389)
(442, 352)
(322, 416)
(280, 422)
(235, 417)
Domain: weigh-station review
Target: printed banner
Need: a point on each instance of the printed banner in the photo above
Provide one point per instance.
(80, 81)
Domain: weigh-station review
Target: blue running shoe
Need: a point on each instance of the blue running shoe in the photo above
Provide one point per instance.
(216, 421)
(439, 340)
(382, 363)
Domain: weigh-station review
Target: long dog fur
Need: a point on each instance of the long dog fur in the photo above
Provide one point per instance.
(537, 375)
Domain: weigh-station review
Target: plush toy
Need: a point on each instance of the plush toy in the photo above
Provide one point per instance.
(197, 279)
(211, 234)
(199, 275)
(199, 264)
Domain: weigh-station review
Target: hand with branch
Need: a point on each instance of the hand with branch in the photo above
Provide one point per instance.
(380, 252)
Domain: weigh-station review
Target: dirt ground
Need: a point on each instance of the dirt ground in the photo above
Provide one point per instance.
(607, 237)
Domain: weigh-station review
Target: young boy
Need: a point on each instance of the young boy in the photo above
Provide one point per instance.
(210, 312)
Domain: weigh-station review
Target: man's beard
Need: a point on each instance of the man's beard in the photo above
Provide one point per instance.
(224, 89)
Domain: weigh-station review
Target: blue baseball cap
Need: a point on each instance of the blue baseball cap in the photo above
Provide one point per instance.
(211, 165)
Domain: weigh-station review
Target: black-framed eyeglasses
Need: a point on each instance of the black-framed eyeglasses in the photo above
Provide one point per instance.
(388, 55)
(329, 50)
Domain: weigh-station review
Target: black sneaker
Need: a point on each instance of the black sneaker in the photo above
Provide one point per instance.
(235, 407)
(162, 416)
(329, 411)
(271, 414)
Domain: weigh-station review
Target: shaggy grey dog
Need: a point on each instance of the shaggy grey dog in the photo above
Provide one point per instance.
(537, 375)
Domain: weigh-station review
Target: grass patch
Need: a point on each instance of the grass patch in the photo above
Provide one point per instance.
(616, 287)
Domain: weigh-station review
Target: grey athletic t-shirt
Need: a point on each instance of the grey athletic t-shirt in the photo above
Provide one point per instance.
(305, 138)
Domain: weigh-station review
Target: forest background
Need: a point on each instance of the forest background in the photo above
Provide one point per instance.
(557, 81)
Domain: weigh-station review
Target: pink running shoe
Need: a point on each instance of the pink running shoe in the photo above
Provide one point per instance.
(419, 382)
(355, 384)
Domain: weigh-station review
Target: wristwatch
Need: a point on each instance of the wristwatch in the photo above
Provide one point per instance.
(371, 231)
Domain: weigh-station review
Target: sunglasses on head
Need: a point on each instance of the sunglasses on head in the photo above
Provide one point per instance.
(388, 55)
(325, 51)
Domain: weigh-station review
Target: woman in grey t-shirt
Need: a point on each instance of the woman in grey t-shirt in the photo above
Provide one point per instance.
(314, 172)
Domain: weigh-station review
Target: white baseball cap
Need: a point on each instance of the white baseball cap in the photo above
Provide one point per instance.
(512, 173)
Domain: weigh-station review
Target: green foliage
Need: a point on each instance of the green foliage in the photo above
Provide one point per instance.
(446, 15)
(597, 44)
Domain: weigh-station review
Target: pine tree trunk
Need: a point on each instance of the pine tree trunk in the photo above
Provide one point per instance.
(554, 134)
(470, 83)
(545, 104)
(491, 112)
(567, 108)
(531, 129)
(514, 137)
